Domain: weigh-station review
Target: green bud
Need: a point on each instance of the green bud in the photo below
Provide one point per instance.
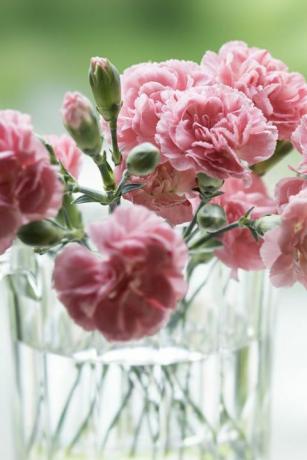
(41, 234)
(266, 223)
(143, 159)
(211, 217)
(105, 84)
(208, 184)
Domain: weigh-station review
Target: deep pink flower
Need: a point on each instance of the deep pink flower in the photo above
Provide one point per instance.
(76, 110)
(280, 94)
(29, 186)
(284, 250)
(144, 89)
(166, 191)
(67, 152)
(240, 249)
(130, 289)
(216, 130)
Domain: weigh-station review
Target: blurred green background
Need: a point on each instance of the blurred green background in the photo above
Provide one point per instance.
(45, 46)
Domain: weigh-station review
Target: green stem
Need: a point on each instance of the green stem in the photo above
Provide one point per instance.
(192, 224)
(138, 430)
(283, 148)
(188, 399)
(117, 415)
(63, 415)
(106, 172)
(215, 234)
(35, 425)
(86, 420)
(115, 149)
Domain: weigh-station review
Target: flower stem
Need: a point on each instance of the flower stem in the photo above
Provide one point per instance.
(215, 234)
(117, 415)
(116, 152)
(283, 148)
(86, 420)
(105, 171)
(62, 417)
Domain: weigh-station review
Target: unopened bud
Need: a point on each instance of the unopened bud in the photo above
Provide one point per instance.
(41, 234)
(105, 84)
(81, 123)
(208, 184)
(266, 223)
(211, 217)
(143, 159)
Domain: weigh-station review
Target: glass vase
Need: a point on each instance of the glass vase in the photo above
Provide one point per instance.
(200, 389)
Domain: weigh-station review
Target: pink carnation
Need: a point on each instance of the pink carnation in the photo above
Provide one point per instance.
(130, 290)
(144, 88)
(67, 152)
(284, 250)
(299, 140)
(166, 191)
(216, 130)
(286, 189)
(281, 95)
(76, 109)
(240, 249)
(29, 186)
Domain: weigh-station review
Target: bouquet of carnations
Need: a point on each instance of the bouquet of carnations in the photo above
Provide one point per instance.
(181, 149)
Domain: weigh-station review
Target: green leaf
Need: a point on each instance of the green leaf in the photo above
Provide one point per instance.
(130, 187)
(89, 199)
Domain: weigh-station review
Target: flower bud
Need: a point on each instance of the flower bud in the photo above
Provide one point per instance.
(207, 183)
(41, 234)
(266, 223)
(105, 84)
(143, 159)
(211, 217)
(81, 123)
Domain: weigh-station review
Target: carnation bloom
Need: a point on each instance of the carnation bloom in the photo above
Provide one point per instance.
(29, 186)
(129, 289)
(284, 250)
(67, 152)
(240, 249)
(76, 110)
(216, 130)
(166, 191)
(299, 140)
(280, 94)
(144, 88)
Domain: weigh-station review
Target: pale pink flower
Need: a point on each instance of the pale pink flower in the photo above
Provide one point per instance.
(284, 250)
(240, 249)
(145, 87)
(76, 110)
(216, 130)
(299, 140)
(286, 189)
(67, 152)
(166, 191)
(130, 289)
(29, 186)
(16, 118)
(280, 94)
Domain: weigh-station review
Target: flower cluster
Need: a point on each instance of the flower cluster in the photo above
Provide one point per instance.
(185, 143)
(131, 287)
(30, 188)
(281, 95)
